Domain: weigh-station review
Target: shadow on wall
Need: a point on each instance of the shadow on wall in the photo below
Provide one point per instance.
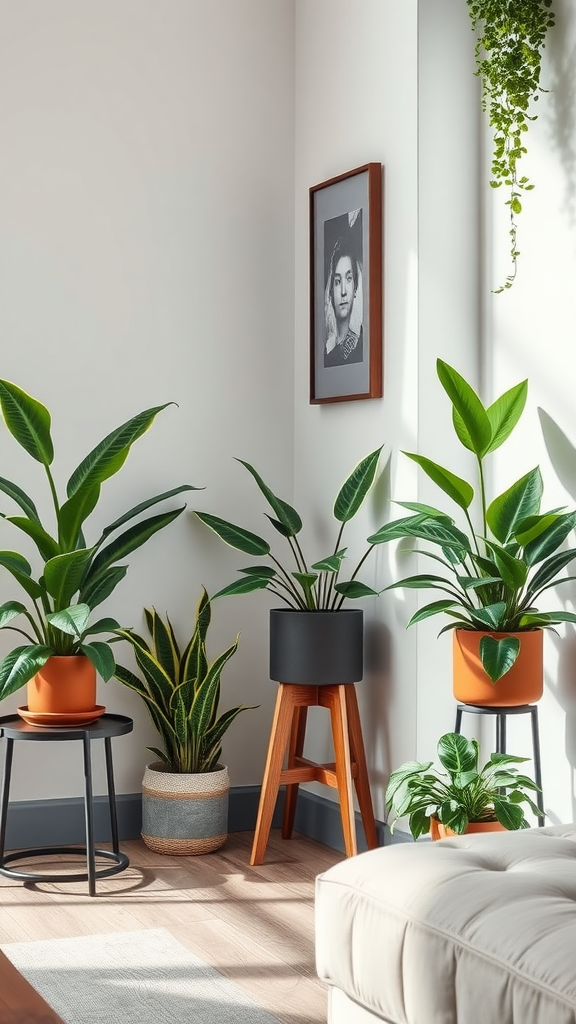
(562, 102)
(562, 455)
(377, 689)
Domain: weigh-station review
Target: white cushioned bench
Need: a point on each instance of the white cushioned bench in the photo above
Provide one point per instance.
(480, 929)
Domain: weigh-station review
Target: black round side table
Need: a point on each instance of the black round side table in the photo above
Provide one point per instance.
(13, 729)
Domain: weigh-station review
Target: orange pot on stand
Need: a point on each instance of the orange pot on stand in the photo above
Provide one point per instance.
(440, 831)
(523, 684)
(63, 692)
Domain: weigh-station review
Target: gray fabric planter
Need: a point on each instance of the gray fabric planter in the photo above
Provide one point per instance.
(316, 648)
(184, 815)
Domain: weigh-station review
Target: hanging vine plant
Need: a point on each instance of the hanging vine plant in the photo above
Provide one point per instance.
(511, 36)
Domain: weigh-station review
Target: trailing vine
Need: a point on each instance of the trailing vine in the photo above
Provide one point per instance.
(511, 35)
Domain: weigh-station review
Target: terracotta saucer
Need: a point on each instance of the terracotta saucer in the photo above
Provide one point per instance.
(50, 718)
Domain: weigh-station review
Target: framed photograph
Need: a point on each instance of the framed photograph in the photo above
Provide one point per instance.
(346, 286)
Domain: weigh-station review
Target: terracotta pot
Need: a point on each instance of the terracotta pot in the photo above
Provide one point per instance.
(64, 685)
(440, 831)
(184, 814)
(523, 684)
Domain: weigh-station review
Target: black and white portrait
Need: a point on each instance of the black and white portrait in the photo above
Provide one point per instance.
(343, 293)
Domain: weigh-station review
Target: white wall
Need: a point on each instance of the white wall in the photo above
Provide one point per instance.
(146, 255)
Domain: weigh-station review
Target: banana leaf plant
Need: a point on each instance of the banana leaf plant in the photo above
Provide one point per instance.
(181, 691)
(74, 575)
(463, 793)
(505, 553)
(303, 586)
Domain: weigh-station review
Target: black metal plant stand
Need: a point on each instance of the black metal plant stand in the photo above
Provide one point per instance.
(14, 729)
(501, 712)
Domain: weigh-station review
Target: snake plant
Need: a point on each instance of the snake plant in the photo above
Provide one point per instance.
(74, 575)
(181, 691)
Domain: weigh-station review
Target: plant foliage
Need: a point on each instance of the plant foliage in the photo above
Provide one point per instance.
(511, 36)
(302, 586)
(463, 792)
(75, 575)
(494, 573)
(181, 691)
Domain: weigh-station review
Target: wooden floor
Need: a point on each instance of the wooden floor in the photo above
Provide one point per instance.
(253, 924)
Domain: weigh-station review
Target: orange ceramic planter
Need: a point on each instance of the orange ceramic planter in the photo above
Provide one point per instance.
(64, 685)
(440, 831)
(523, 684)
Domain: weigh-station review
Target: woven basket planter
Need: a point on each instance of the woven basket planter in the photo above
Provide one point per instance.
(184, 815)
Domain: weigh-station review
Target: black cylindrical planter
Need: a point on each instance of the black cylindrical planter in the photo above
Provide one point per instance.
(318, 648)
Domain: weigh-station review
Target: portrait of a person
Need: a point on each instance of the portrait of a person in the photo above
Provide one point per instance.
(343, 300)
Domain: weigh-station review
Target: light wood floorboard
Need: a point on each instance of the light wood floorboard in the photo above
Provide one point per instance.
(253, 924)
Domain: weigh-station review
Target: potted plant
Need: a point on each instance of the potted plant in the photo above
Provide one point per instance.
(309, 643)
(185, 791)
(463, 797)
(497, 561)
(60, 658)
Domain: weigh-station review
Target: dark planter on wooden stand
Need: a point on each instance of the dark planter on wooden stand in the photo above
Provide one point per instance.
(319, 648)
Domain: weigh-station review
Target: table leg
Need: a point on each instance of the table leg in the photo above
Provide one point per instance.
(5, 797)
(90, 858)
(111, 794)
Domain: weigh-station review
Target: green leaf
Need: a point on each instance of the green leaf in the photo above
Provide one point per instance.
(491, 616)
(508, 814)
(130, 541)
(287, 515)
(20, 497)
(508, 510)
(72, 620)
(243, 586)
(265, 572)
(20, 569)
(73, 513)
(471, 420)
(434, 608)
(235, 536)
(356, 487)
(101, 657)
(419, 823)
(457, 754)
(63, 574)
(93, 592)
(46, 544)
(332, 563)
(10, 610)
(28, 421)
(165, 650)
(454, 486)
(505, 413)
(531, 527)
(144, 505)
(111, 453)
(512, 570)
(426, 510)
(355, 589)
(551, 539)
(397, 530)
(20, 665)
(106, 625)
(498, 656)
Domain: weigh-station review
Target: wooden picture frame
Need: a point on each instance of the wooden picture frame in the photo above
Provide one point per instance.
(346, 286)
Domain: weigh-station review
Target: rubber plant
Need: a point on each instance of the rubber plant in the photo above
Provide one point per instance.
(74, 575)
(511, 35)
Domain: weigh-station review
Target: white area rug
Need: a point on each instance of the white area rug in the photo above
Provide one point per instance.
(142, 977)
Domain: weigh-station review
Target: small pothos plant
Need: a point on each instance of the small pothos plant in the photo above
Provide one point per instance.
(511, 35)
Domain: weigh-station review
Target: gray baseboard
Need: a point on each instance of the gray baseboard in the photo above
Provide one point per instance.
(34, 823)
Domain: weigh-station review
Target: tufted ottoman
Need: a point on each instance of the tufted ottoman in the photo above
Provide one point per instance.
(480, 929)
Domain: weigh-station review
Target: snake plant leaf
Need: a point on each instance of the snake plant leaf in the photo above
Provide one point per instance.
(551, 539)
(111, 453)
(356, 487)
(244, 586)
(17, 667)
(505, 412)
(216, 732)
(498, 656)
(180, 718)
(434, 608)
(93, 592)
(491, 616)
(21, 570)
(129, 541)
(519, 501)
(46, 544)
(144, 505)
(133, 682)
(28, 421)
(286, 515)
(73, 514)
(159, 683)
(72, 620)
(470, 418)
(454, 486)
(203, 706)
(548, 572)
(235, 536)
(330, 564)
(457, 753)
(355, 589)
(20, 497)
(163, 641)
(101, 657)
(510, 815)
(264, 571)
(10, 610)
(513, 571)
(63, 575)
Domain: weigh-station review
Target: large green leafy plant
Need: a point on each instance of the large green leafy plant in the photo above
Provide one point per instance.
(301, 586)
(181, 691)
(461, 794)
(75, 575)
(511, 36)
(507, 554)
